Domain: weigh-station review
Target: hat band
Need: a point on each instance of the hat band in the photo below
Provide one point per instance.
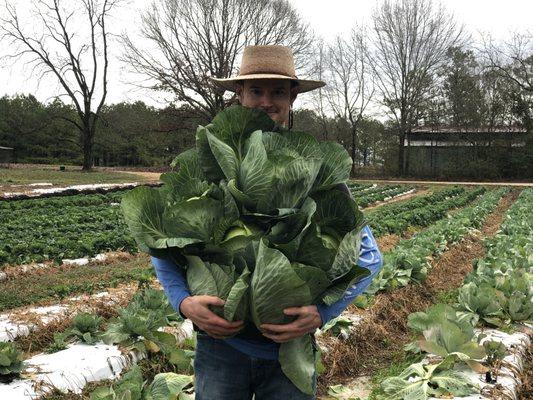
(267, 73)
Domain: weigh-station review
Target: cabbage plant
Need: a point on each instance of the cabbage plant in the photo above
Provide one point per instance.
(132, 386)
(421, 381)
(254, 215)
(11, 362)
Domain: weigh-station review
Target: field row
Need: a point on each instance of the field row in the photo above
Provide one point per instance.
(460, 351)
(86, 225)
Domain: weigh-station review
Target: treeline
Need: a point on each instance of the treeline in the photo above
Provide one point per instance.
(129, 134)
(469, 94)
(135, 134)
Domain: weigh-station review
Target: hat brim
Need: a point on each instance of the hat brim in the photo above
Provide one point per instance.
(304, 85)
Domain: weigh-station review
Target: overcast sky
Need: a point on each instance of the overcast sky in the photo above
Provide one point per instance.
(327, 18)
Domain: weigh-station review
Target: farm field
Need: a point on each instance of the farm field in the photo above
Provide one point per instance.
(444, 249)
(18, 177)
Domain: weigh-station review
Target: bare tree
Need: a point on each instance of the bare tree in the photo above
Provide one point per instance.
(191, 40)
(410, 41)
(80, 65)
(318, 97)
(351, 87)
(510, 66)
(512, 59)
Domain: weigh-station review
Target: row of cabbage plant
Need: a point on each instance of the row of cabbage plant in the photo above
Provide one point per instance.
(497, 293)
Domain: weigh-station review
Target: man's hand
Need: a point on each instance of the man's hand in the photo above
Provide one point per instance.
(196, 308)
(308, 320)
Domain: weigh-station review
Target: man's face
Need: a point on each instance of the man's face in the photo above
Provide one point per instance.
(272, 95)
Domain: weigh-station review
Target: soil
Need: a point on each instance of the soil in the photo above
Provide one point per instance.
(154, 176)
(377, 342)
(387, 242)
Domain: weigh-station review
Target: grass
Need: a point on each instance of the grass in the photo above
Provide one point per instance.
(66, 281)
(71, 176)
(448, 297)
(394, 369)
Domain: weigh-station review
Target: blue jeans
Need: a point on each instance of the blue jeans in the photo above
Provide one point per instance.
(224, 373)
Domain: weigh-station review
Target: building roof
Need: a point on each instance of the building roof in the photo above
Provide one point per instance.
(510, 129)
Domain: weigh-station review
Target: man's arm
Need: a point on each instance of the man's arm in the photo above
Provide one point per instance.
(369, 257)
(196, 308)
(173, 281)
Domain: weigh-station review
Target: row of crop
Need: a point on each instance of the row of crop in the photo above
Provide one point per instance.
(375, 189)
(145, 327)
(421, 211)
(62, 227)
(418, 202)
(497, 293)
(83, 226)
(364, 199)
(46, 203)
(409, 260)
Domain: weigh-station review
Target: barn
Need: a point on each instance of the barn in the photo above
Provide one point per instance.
(487, 152)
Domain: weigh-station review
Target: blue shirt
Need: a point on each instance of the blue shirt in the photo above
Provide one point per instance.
(175, 286)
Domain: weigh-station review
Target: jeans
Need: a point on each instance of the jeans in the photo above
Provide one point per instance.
(224, 373)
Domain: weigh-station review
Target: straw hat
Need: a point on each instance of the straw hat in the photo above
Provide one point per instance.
(267, 62)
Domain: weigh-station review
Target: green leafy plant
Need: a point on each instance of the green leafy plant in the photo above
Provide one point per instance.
(341, 392)
(138, 328)
(138, 325)
(446, 335)
(155, 301)
(448, 341)
(256, 218)
(85, 327)
(11, 363)
(481, 303)
(420, 381)
(495, 351)
(131, 386)
(338, 326)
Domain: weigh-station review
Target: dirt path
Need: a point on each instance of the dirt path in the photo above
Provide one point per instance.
(516, 184)
(377, 342)
(149, 175)
(388, 242)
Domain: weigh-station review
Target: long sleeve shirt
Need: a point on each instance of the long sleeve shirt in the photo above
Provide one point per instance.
(175, 286)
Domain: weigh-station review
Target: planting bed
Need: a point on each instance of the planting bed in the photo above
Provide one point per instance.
(62, 227)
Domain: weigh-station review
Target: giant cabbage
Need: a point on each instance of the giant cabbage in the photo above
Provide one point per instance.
(254, 215)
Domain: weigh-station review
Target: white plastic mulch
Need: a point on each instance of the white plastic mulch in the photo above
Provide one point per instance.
(80, 188)
(71, 369)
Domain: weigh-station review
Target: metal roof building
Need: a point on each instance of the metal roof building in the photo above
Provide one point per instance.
(445, 151)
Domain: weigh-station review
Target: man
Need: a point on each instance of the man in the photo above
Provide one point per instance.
(233, 363)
